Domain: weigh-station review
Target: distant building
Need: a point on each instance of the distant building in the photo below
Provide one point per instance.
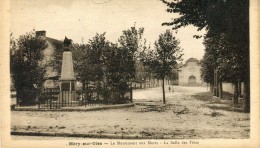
(189, 73)
(52, 75)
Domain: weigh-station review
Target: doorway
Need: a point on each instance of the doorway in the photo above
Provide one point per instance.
(192, 81)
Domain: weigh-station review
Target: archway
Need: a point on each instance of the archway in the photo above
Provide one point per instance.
(192, 81)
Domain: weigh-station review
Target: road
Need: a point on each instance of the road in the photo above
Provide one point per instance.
(183, 117)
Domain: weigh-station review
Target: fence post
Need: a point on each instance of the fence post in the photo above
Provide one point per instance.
(85, 97)
(37, 98)
(131, 95)
(62, 98)
(54, 95)
(50, 99)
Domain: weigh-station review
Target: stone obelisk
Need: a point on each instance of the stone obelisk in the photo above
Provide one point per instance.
(67, 71)
(67, 79)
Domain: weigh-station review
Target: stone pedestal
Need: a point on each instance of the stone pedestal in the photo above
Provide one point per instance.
(67, 79)
(67, 72)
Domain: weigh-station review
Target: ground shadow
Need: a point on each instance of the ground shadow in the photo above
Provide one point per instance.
(224, 103)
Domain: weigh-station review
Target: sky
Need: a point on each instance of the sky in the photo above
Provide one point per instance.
(80, 20)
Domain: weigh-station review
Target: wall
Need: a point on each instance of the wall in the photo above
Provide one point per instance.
(191, 68)
(50, 71)
(229, 87)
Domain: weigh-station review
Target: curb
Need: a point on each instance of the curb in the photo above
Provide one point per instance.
(68, 109)
(105, 136)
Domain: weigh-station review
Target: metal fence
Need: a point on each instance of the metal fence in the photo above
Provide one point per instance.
(57, 99)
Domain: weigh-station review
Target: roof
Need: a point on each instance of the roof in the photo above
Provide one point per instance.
(53, 77)
(51, 40)
(190, 60)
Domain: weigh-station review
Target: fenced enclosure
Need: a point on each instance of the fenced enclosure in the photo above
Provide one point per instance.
(54, 98)
(151, 83)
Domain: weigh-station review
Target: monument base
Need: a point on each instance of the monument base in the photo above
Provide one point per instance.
(67, 80)
(67, 85)
(67, 92)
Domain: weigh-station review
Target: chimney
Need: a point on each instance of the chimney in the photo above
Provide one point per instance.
(41, 33)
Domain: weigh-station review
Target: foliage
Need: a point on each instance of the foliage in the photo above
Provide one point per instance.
(82, 67)
(227, 25)
(98, 45)
(119, 62)
(140, 71)
(207, 68)
(207, 14)
(26, 64)
(165, 56)
(102, 61)
(108, 65)
(163, 60)
(130, 43)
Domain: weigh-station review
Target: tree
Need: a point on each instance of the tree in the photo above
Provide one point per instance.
(120, 62)
(227, 20)
(130, 42)
(97, 45)
(204, 14)
(207, 69)
(94, 61)
(141, 74)
(225, 58)
(27, 65)
(109, 66)
(115, 72)
(164, 58)
(82, 66)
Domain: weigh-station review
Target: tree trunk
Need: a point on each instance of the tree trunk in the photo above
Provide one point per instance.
(217, 87)
(239, 90)
(98, 89)
(246, 96)
(235, 97)
(163, 91)
(88, 94)
(18, 96)
(149, 82)
(84, 85)
(215, 83)
(211, 88)
(220, 90)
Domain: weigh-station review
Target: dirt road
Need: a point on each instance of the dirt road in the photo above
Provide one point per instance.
(183, 117)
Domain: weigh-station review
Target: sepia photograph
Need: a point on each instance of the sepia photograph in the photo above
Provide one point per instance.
(131, 73)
